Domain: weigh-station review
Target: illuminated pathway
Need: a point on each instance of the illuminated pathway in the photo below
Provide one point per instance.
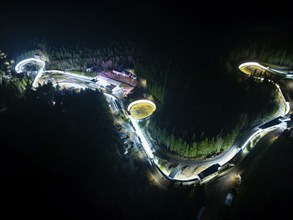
(279, 122)
(249, 66)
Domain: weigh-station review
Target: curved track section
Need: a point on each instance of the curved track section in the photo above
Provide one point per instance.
(21, 64)
(141, 109)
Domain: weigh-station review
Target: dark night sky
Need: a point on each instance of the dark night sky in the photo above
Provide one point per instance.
(119, 20)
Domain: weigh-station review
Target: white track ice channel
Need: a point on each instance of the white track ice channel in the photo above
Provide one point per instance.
(252, 64)
(144, 142)
(18, 67)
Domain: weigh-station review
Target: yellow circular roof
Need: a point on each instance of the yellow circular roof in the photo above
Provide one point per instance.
(141, 109)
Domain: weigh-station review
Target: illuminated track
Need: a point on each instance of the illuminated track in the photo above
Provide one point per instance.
(146, 143)
(284, 72)
(248, 67)
(19, 67)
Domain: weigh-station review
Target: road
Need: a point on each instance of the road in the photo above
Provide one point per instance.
(150, 153)
(217, 189)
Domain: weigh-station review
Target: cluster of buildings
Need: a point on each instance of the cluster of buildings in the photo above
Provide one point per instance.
(124, 73)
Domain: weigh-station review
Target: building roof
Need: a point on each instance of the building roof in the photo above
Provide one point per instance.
(111, 86)
(271, 123)
(175, 171)
(210, 170)
(289, 124)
